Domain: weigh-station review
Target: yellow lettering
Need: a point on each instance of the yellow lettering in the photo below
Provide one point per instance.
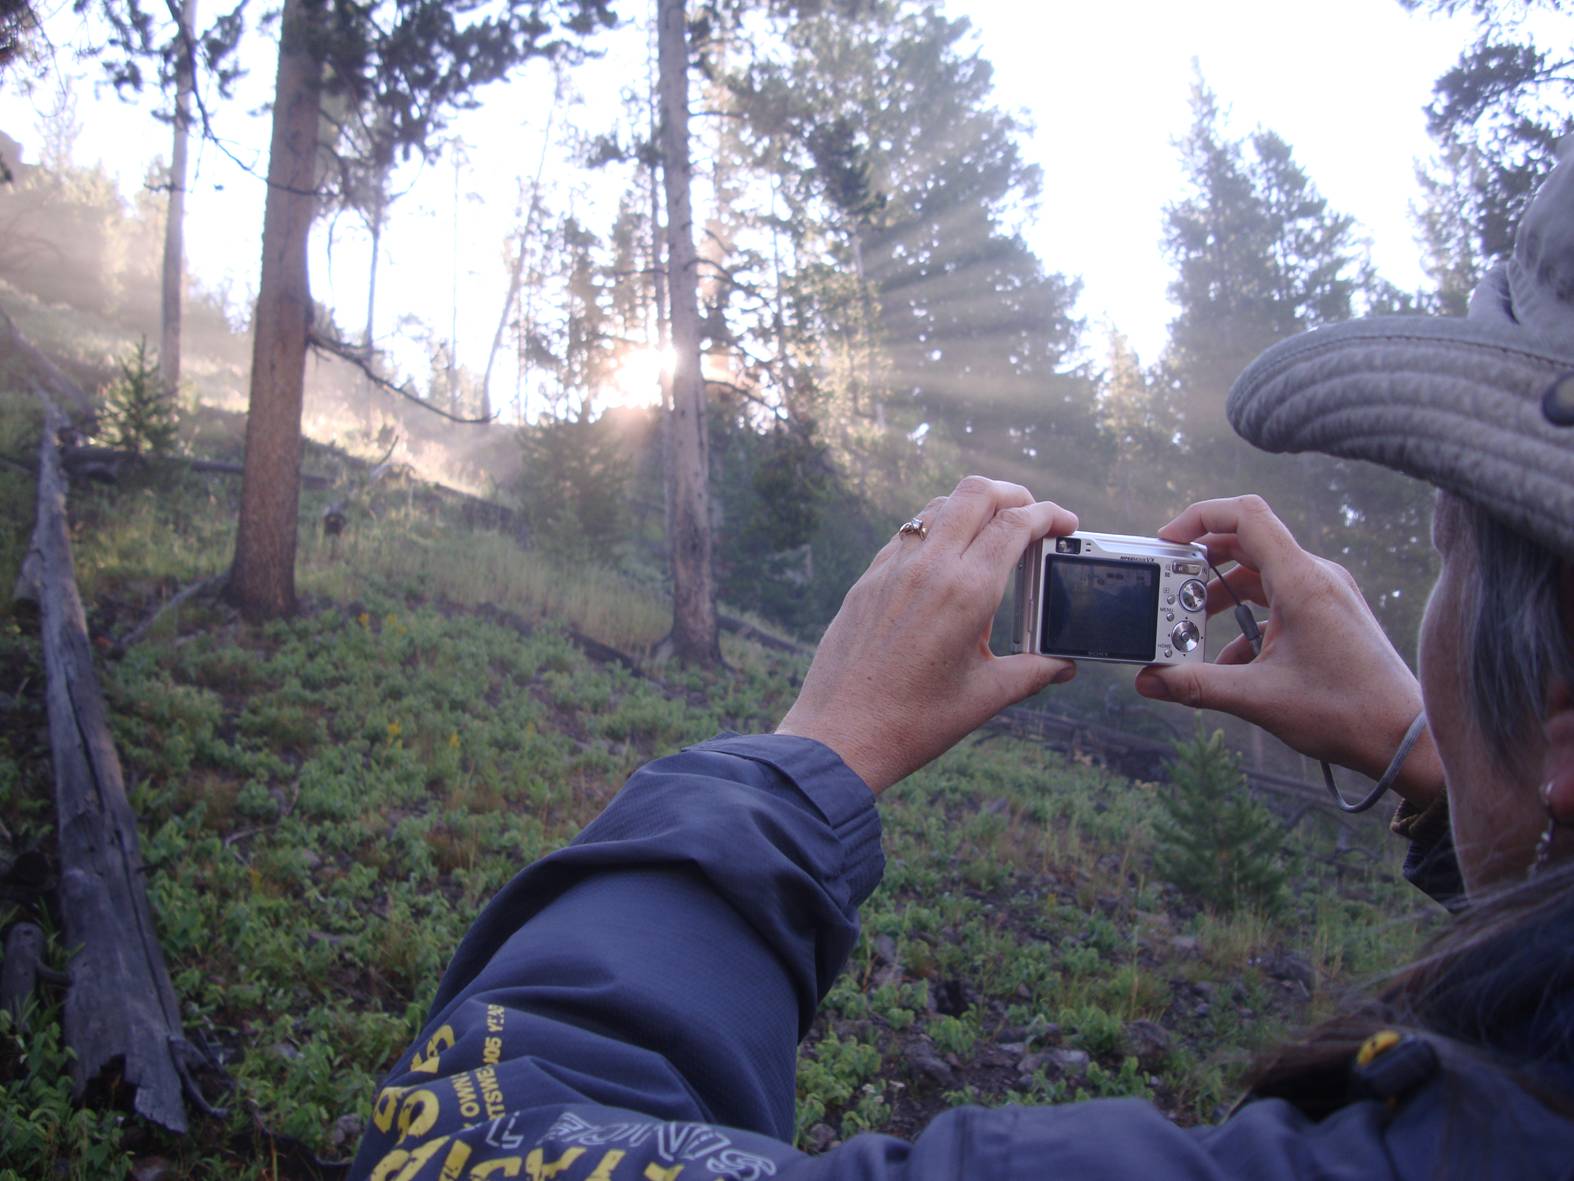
(503, 1166)
(608, 1163)
(426, 1062)
(408, 1163)
(494, 1018)
(486, 1078)
(384, 1168)
(655, 1172)
(464, 1090)
(458, 1155)
(540, 1170)
(387, 1105)
(418, 1113)
(492, 1051)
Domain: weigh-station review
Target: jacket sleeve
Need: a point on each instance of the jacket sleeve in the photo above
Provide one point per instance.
(666, 963)
(628, 1009)
(1430, 863)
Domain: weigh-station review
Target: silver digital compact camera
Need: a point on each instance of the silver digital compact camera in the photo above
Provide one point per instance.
(1101, 596)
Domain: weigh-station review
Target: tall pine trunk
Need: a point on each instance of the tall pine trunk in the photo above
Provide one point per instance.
(658, 286)
(694, 632)
(262, 579)
(175, 219)
(376, 228)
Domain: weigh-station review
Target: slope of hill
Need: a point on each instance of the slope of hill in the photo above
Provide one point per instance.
(326, 802)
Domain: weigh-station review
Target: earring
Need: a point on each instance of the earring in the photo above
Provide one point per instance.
(1544, 842)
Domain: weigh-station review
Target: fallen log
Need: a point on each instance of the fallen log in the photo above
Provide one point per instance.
(89, 462)
(121, 1016)
(308, 480)
(748, 631)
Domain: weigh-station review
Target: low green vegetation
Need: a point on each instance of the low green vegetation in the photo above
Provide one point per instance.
(326, 802)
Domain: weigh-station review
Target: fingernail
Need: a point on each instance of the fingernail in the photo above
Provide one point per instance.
(1064, 675)
(1154, 688)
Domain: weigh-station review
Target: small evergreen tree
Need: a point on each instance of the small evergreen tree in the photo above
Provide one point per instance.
(574, 485)
(1216, 843)
(140, 415)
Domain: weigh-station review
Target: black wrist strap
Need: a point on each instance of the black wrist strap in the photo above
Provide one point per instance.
(1406, 744)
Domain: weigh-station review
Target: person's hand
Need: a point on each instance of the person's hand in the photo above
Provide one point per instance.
(1327, 682)
(905, 671)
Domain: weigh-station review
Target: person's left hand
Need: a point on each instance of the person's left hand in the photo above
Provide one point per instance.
(905, 671)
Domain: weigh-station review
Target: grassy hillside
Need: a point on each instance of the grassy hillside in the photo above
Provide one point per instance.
(327, 801)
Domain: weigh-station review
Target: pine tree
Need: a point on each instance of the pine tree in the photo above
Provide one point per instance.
(574, 485)
(1496, 116)
(140, 413)
(1216, 843)
(696, 638)
(1135, 415)
(417, 62)
(1260, 255)
(900, 189)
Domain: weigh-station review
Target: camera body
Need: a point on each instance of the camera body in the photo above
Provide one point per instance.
(1103, 596)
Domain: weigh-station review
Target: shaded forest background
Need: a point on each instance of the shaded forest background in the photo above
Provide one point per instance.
(872, 323)
(328, 786)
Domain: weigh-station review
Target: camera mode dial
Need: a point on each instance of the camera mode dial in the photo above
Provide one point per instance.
(1193, 595)
(1185, 636)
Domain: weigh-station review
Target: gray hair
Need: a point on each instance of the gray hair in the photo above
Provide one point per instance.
(1517, 635)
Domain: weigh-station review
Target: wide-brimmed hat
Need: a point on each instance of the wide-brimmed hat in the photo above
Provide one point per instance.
(1481, 406)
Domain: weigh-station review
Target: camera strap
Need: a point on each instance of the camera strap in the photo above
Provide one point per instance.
(1253, 634)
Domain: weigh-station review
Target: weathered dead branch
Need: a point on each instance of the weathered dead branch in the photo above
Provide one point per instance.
(203, 586)
(121, 1018)
(107, 464)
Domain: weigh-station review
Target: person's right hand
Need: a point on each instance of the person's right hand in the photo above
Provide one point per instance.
(1327, 682)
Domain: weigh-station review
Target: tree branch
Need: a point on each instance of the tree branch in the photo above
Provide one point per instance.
(205, 117)
(359, 358)
(748, 395)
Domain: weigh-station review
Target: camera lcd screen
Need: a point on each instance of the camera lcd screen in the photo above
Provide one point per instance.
(1096, 608)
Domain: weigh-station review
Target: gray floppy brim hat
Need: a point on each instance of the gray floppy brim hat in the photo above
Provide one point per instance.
(1482, 407)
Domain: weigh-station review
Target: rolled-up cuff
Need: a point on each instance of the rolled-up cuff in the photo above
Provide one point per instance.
(1421, 824)
(1431, 865)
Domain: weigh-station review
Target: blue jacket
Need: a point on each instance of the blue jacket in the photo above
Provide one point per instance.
(629, 1009)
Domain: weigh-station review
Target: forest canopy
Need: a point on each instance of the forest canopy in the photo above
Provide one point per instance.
(871, 319)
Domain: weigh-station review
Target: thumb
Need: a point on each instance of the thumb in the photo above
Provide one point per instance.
(1226, 687)
(1025, 673)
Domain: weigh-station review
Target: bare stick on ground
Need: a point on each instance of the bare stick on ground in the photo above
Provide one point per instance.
(212, 584)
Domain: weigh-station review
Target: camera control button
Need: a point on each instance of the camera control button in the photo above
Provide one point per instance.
(1187, 567)
(1185, 636)
(1169, 617)
(1170, 599)
(1167, 652)
(1193, 595)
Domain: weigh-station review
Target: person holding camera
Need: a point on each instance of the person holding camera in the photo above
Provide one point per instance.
(629, 1007)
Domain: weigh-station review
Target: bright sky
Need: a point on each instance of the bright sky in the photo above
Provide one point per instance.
(1105, 84)
(1108, 86)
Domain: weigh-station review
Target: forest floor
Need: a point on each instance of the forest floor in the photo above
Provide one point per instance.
(327, 801)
